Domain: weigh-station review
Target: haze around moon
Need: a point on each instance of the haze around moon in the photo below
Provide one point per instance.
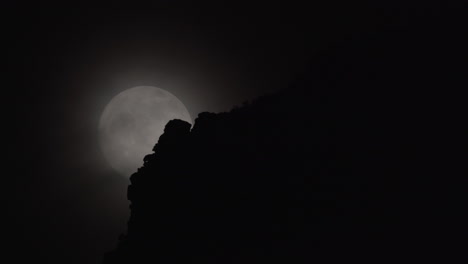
(132, 123)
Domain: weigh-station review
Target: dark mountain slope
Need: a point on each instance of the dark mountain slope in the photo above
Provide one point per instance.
(343, 166)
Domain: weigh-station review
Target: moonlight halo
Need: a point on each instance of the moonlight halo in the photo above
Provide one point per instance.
(132, 122)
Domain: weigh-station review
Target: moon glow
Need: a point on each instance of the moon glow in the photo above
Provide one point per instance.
(132, 122)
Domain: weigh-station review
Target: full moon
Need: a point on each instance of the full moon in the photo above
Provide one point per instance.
(132, 122)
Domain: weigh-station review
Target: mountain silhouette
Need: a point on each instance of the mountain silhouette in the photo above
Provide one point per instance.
(339, 167)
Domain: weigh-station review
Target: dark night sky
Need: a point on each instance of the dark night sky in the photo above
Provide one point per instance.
(64, 63)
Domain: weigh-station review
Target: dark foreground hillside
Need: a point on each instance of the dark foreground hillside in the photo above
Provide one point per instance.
(353, 163)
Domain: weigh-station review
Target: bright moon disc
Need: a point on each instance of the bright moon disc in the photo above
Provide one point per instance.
(132, 122)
